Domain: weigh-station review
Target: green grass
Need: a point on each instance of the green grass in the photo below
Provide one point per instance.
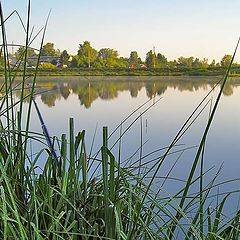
(218, 71)
(95, 196)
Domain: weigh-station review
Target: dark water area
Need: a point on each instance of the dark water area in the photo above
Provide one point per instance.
(95, 102)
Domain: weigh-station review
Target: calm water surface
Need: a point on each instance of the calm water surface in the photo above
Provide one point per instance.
(95, 102)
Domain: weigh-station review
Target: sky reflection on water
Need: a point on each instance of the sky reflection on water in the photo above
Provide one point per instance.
(106, 102)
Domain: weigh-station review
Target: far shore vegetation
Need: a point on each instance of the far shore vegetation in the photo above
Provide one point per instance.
(107, 62)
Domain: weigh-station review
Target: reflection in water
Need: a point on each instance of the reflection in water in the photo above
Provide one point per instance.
(49, 99)
(88, 91)
(159, 125)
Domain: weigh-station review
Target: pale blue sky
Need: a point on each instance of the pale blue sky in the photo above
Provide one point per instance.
(206, 28)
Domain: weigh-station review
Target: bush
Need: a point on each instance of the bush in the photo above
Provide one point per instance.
(47, 66)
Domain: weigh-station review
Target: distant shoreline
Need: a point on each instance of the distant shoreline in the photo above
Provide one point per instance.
(130, 79)
(235, 72)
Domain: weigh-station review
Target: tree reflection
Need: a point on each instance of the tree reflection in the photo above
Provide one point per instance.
(89, 91)
(134, 89)
(87, 95)
(49, 93)
(50, 99)
(65, 91)
(228, 90)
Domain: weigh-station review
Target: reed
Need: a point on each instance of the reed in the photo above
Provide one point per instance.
(90, 197)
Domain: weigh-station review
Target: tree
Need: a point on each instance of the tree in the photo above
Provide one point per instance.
(108, 57)
(64, 57)
(204, 63)
(196, 63)
(87, 54)
(161, 60)
(150, 59)
(140, 61)
(213, 63)
(74, 62)
(172, 64)
(122, 62)
(106, 53)
(185, 62)
(133, 59)
(226, 60)
(21, 52)
(48, 50)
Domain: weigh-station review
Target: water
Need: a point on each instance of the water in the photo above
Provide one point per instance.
(95, 102)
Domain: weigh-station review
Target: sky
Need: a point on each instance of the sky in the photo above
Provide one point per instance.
(206, 28)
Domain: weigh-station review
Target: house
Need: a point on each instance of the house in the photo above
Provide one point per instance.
(45, 59)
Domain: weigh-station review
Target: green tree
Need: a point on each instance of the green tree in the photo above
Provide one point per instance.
(150, 59)
(106, 53)
(108, 57)
(225, 62)
(64, 58)
(122, 62)
(172, 64)
(21, 51)
(185, 62)
(204, 63)
(213, 63)
(87, 54)
(196, 63)
(74, 62)
(133, 59)
(49, 50)
(161, 60)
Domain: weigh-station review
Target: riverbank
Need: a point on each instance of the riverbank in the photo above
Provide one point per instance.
(216, 71)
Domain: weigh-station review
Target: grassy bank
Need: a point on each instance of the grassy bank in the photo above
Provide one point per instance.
(78, 194)
(216, 71)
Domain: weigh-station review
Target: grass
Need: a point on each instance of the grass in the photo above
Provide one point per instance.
(218, 71)
(95, 196)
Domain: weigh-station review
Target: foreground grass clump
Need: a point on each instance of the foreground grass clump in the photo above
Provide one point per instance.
(78, 195)
(66, 200)
(62, 203)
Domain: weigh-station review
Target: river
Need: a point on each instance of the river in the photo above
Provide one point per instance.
(166, 102)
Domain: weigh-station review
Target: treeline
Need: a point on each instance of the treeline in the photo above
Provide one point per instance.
(107, 58)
